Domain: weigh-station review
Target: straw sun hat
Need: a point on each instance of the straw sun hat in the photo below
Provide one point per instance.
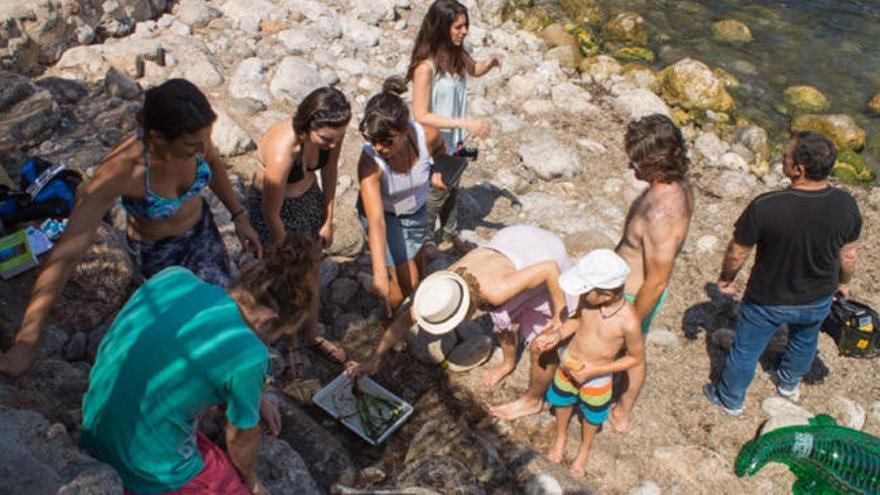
(441, 302)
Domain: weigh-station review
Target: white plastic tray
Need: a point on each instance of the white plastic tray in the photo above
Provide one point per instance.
(336, 398)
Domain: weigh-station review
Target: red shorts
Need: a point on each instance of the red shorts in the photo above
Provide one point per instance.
(218, 476)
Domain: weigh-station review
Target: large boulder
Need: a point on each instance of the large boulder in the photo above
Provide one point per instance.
(99, 284)
(638, 103)
(348, 235)
(282, 470)
(548, 158)
(691, 84)
(627, 28)
(36, 32)
(247, 81)
(38, 458)
(28, 113)
(196, 13)
(294, 79)
(229, 137)
(571, 98)
(841, 129)
(556, 35)
(806, 98)
(642, 77)
(731, 31)
(91, 62)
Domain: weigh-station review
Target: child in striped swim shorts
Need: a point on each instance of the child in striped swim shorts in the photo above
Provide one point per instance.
(604, 323)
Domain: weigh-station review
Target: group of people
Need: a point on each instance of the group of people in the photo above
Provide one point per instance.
(190, 337)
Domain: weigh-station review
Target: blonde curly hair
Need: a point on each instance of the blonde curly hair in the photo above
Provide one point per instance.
(284, 280)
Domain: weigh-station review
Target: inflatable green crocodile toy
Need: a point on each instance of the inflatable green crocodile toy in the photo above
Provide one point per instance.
(825, 457)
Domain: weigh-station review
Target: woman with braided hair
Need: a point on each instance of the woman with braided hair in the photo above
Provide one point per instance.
(285, 196)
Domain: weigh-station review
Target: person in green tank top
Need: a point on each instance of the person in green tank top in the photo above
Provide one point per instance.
(439, 70)
(181, 345)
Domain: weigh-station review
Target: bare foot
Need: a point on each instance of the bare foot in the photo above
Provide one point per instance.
(618, 419)
(493, 376)
(556, 452)
(577, 469)
(517, 409)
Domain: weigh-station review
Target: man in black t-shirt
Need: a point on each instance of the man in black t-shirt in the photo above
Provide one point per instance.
(806, 238)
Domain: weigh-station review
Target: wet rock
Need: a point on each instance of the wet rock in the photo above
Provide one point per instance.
(548, 158)
(294, 79)
(229, 137)
(33, 461)
(710, 147)
(841, 129)
(601, 67)
(99, 284)
(627, 28)
(638, 103)
(429, 348)
(647, 488)
(75, 350)
(874, 104)
(247, 82)
(196, 13)
(777, 406)
(121, 85)
(469, 353)
(543, 484)
(731, 31)
(691, 84)
(733, 184)
(806, 98)
(445, 474)
(847, 412)
(28, 113)
(282, 470)
(328, 461)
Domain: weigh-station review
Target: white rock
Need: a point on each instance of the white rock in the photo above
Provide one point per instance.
(662, 338)
(343, 184)
(711, 147)
(294, 78)
(247, 82)
(313, 10)
(781, 421)
(165, 21)
(508, 123)
(180, 29)
(733, 184)
(330, 28)
(359, 34)
(202, 72)
(120, 84)
(374, 11)
(352, 66)
(707, 243)
(548, 158)
(229, 137)
(592, 146)
(571, 98)
(733, 161)
(248, 14)
(847, 412)
(647, 488)
(523, 87)
(639, 103)
(298, 41)
(777, 406)
(537, 107)
(196, 13)
(543, 484)
(481, 107)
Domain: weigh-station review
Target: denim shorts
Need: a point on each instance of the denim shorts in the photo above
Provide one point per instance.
(404, 234)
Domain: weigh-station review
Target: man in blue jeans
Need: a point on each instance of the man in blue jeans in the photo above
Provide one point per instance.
(806, 237)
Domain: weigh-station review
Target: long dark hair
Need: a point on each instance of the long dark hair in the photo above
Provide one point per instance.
(323, 107)
(386, 113)
(657, 146)
(174, 108)
(433, 41)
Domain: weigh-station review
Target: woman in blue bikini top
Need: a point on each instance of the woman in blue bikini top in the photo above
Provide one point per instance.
(158, 178)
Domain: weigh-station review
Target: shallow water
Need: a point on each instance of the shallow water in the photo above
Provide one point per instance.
(833, 45)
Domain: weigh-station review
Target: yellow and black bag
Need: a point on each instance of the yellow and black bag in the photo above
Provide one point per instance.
(854, 327)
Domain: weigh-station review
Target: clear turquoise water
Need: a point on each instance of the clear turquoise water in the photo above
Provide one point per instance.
(833, 45)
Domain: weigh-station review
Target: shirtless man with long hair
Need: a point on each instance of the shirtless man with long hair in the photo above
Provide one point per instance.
(656, 228)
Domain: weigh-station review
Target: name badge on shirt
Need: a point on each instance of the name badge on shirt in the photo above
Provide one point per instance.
(405, 206)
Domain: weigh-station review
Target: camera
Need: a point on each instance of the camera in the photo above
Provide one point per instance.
(469, 152)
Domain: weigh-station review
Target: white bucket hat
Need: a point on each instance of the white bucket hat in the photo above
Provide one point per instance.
(441, 302)
(599, 269)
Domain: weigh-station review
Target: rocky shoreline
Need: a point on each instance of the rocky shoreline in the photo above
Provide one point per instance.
(554, 159)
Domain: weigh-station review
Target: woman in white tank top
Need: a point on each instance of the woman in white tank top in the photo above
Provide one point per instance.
(395, 178)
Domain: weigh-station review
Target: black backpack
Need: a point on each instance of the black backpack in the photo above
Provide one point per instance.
(855, 328)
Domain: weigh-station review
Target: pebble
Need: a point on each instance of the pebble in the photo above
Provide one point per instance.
(777, 406)
(647, 488)
(592, 146)
(707, 243)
